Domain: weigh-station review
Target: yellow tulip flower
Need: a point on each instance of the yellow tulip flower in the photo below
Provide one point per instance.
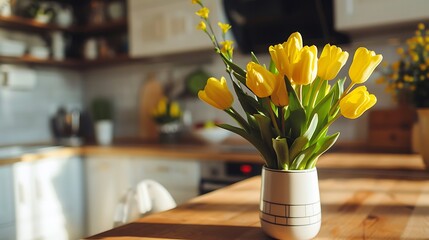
(354, 104)
(331, 61)
(203, 12)
(216, 93)
(364, 63)
(280, 96)
(261, 81)
(305, 68)
(224, 27)
(284, 55)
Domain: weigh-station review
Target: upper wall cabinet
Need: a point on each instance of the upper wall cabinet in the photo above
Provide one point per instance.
(159, 27)
(358, 15)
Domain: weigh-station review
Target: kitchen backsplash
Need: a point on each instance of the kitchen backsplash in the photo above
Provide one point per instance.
(24, 115)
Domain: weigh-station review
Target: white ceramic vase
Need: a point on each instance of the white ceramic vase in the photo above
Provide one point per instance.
(104, 132)
(423, 114)
(290, 203)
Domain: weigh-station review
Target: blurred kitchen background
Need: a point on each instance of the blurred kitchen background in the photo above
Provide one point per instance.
(66, 64)
(76, 51)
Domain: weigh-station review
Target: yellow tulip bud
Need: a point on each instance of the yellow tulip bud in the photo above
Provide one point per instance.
(202, 26)
(284, 55)
(227, 47)
(224, 27)
(331, 61)
(195, 1)
(203, 12)
(261, 81)
(364, 63)
(216, 93)
(174, 109)
(354, 104)
(305, 69)
(280, 96)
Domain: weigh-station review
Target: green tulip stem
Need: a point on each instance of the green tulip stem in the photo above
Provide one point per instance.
(282, 119)
(272, 116)
(300, 93)
(333, 109)
(327, 126)
(243, 123)
(316, 93)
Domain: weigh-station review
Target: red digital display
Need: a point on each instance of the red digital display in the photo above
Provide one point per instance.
(246, 169)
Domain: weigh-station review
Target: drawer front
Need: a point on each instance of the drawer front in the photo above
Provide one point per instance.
(396, 140)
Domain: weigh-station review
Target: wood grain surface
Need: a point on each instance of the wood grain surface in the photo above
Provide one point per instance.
(388, 204)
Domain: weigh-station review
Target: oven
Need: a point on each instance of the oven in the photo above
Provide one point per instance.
(219, 174)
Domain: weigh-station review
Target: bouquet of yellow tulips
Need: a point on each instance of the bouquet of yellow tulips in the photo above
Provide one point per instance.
(409, 76)
(166, 111)
(289, 104)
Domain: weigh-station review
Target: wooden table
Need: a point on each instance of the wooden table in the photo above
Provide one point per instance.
(382, 204)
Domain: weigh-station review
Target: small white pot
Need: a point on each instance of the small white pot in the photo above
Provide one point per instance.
(290, 203)
(104, 132)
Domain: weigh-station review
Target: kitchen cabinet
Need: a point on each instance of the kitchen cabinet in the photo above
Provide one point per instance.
(7, 213)
(49, 199)
(180, 177)
(351, 15)
(110, 177)
(107, 179)
(163, 27)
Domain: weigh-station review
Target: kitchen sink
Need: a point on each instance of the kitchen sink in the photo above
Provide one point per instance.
(16, 151)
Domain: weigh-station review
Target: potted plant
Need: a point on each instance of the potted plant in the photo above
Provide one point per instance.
(102, 113)
(288, 106)
(167, 115)
(407, 79)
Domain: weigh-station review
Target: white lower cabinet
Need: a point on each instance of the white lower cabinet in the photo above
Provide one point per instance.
(179, 177)
(49, 199)
(7, 199)
(109, 178)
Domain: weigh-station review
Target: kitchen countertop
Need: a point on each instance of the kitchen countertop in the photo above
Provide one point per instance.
(356, 204)
(234, 153)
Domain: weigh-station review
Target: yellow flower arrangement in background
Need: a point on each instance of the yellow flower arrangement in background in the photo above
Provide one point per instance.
(409, 76)
(290, 103)
(166, 111)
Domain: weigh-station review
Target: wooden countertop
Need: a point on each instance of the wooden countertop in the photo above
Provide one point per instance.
(354, 206)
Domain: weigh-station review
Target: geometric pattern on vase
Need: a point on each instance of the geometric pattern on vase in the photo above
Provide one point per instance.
(290, 215)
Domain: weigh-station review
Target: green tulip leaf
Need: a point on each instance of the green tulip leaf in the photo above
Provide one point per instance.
(257, 143)
(322, 146)
(300, 161)
(233, 66)
(282, 152)
(254, 58)
(311, 128)
(240, 78)
(297, 146)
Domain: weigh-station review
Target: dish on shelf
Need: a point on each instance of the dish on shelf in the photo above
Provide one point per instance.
(12, 48)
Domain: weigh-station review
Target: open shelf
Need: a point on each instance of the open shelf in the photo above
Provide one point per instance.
(21, 23)
(68, 63)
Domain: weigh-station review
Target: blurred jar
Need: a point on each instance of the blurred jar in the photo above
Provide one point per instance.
(90, 50)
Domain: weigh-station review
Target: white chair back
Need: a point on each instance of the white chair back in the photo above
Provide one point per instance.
(149, 197)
